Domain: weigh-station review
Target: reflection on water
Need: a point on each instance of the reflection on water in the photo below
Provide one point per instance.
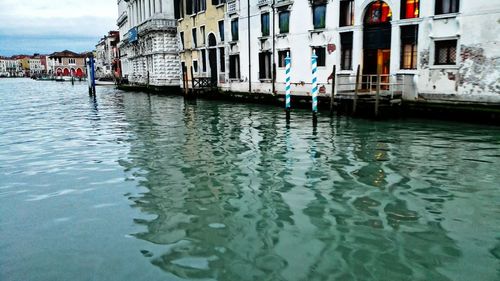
(131, 186)
(237, 194)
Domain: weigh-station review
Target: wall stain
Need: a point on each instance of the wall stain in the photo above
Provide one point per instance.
(478, 73)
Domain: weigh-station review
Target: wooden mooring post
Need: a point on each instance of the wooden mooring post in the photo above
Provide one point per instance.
(332, 97)
(356, 88)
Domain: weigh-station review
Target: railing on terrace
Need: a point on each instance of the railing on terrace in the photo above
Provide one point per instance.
(157, 24)
(390, 84)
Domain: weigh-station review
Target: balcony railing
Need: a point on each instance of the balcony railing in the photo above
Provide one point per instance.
(157, 25)
(232, 7)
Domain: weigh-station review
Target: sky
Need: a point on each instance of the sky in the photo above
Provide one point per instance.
(47, 26)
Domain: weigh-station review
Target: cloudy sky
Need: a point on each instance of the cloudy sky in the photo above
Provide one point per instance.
(45, 26)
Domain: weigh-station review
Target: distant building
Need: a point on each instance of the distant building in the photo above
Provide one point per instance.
(149, 48)
(36, 66)
(66, 63)
(106, 53)
(123, 29)
(9, 67)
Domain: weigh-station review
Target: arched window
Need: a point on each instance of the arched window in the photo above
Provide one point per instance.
(377, 13)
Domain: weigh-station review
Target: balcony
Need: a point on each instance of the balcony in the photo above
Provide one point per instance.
(232, 7)
(157, 25)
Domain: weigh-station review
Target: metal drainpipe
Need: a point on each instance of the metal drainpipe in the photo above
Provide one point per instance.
(274, 49)
(249, 51)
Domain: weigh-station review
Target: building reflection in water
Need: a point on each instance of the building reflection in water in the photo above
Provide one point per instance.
(238, 195)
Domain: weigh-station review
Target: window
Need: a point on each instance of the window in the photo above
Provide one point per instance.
(378, 13)
(346, 51)
(195, 66)
(409, 38)
(179, 9)
(189, 7)
(445, 52)
(321, 53)
(234, 66)
(182, 39)
(195, 43)
(221, 30)
(234, 30)
(222, 60)
(446, 6)
(346, 13)
(265, 65)
(203, 61)
(264, 24)
(319, 16)
(202, 5)
(71, 61)
(410, 9)
(284, 21)
(281, 57)
(202, 33)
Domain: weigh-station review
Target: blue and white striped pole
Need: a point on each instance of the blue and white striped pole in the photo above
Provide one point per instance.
(314, 62)
(288, 61)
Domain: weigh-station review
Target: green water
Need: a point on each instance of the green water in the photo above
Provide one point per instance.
(132, 186)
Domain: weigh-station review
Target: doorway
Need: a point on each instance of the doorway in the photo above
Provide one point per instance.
(376, 43)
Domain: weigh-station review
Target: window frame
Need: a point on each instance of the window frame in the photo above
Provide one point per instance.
(346, 50)
(235, 32)
(281, 31)
(194, 37)
(321, 60)
(265, 60)
(237, 68)
(282, 56)
(321, 25)
(448, 44)
(406, 41)
(439, 8)
(404, 6)
(264, 23)
(221, 31)
(346, 13)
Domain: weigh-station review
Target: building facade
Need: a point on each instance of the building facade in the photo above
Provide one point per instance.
(444, 49)
(66, 63)
(106, 53)
(149, 49)
(201, 32)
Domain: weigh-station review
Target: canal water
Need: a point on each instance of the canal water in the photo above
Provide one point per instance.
(132, 186)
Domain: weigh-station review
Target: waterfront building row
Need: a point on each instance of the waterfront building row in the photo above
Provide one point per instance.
(107, 57)
(444, 49)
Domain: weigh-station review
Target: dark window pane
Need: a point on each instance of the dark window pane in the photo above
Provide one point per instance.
(284, 19)
(447, 6)
(234, 30)
(281, 57)
(346, 50)
(221, 30)
(264, 22)
(203, 61)
(222, 58)
(319, 16)
(445, 52)
(321, 53)
(346, 12)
